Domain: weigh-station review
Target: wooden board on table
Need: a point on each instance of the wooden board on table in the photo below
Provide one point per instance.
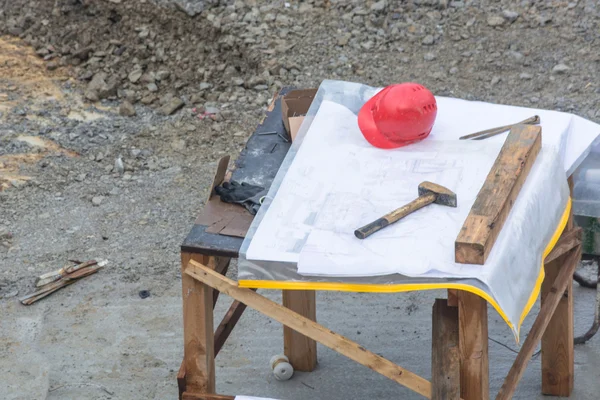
(498, 194)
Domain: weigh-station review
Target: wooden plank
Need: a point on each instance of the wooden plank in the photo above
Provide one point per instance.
(445, 362)
(181, 380)
(310, 328)
(222, 267)
(569, 239)
(198, 350)
(229, 321)
(301, 350)
(552, 299)
(453, 297)
(473, 346)
(498, 194)
(558, 353)
(205, 396)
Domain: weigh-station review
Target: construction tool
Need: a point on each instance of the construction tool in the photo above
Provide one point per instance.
(501, 129)
(428, 193)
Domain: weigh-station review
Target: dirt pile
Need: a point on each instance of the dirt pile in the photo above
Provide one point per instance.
(131, 50)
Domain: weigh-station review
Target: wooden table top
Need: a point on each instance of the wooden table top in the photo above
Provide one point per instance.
(258, 162)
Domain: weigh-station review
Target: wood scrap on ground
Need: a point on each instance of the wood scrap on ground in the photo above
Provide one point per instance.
(52, 281)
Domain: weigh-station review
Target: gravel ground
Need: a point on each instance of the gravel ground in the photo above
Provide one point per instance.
(113, 113)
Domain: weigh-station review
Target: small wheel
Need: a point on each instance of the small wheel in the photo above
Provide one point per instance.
(282, 369)
(278, 358)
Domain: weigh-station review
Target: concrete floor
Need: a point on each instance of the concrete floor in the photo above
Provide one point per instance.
(123, 347)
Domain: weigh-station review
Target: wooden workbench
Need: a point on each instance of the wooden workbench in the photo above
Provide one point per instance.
(460, 325)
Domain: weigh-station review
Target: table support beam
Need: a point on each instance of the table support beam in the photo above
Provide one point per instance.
(198, 334)
(445, 363)
(301, 350)
(558, 353)
(473, 346)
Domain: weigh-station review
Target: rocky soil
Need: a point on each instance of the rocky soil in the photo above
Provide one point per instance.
(149, 96)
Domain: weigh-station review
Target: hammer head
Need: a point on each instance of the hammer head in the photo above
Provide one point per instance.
(443, 196)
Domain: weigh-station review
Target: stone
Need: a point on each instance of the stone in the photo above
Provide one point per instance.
(453, 70)
(149, 99)
(152, 87)
(196, 98)
(99, 88)
(178, 144)
(429, 57)
(237, 82)
(171, 106)
(344, 39)
(52, 65)
(162, 75)
(97, 200)
(126, 109)
(147, 78)
(379, 6)
(428, 40)
(510, 16)
(495, 80)
(525, 76)
(560, 69)
(205, 85)
(495, 21)
(134, 75)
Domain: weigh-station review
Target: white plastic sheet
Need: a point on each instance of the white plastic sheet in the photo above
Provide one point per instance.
(333, 182)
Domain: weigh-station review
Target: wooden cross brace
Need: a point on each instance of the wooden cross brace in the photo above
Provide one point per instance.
(309, 328)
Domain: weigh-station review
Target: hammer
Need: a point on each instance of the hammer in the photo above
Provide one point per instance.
(428, 193)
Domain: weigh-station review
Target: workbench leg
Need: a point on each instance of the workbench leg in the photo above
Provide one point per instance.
(473, 347)
(198, 334)
(445, 364)
(558, 358)
(301, 350)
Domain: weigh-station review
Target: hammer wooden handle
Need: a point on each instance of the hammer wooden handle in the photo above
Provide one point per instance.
(395, 215)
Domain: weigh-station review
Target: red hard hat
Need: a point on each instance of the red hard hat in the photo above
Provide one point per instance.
(398, 115)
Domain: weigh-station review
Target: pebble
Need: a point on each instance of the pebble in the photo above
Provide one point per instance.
(379, 6)
(560, 69)
(162, 75)
(97, 200)
(126, 109)
(135, 75)
(344, 39)
(152, 87)
(495, 80)
(428, 40)
(119, 168)
(510, 16)
(525, 76)
(495, 20)
(178, 144)
(453, 70)
(171, 106)
(148, 99)
(52, 65)
(429, 57)
(205, 85)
